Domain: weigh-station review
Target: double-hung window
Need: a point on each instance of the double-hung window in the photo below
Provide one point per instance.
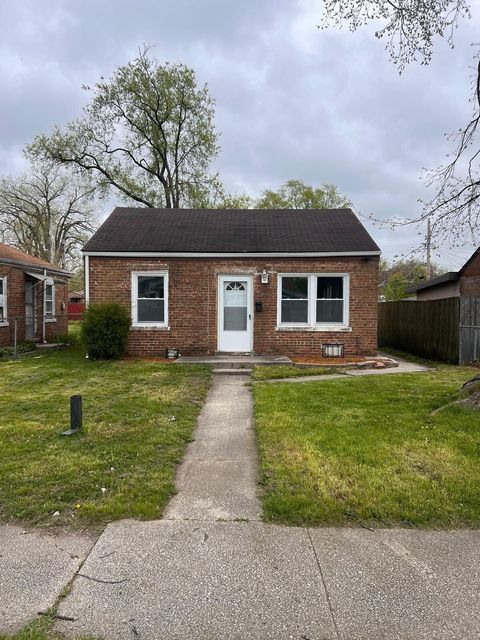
(3, 301)
(49, 301)
(149, 299)
(313, 301)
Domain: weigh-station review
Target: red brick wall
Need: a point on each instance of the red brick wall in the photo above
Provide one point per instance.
(192, 312)
(16, 308)
(470, 279)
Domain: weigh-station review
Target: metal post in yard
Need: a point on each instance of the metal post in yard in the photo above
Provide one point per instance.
(56, 329)
(75, 415)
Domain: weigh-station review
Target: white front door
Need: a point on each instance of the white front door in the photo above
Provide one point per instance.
(235, 313)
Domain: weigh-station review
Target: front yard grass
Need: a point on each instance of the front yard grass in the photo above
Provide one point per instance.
(138, 418)
(369, 451)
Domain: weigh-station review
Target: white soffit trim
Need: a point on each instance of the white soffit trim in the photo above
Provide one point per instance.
(276, 254)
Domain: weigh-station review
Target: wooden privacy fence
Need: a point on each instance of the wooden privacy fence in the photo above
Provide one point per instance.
(446, 329)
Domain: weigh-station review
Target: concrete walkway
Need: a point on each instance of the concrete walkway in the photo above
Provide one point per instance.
(403, 367)
(218, 478)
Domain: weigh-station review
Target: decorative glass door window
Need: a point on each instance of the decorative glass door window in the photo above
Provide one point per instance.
(234, 306)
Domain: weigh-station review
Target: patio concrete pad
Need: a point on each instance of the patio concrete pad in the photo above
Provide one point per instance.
(218, 477)
(200, 581)
(34, 568)
(392, 584)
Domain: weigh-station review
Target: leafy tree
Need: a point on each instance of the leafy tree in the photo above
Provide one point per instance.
(395, 278)
(395, 288)
(295, 194)
(410, 29)
(147, 133)
(47, 213)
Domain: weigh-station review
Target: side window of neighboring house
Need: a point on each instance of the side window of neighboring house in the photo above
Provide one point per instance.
(49, 307)
(3, 300)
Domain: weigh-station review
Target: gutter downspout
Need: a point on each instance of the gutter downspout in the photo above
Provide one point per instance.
(86, 274)
(44, 288)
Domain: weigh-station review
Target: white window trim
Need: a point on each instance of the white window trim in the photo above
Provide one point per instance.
(53, 317)
(4, 323)
(311, 324)
(134, 288)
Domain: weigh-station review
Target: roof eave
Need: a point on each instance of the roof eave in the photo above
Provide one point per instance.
(35, 267)
(230, 254)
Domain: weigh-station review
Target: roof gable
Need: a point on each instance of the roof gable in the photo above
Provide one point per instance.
(10, 255)
(245, 231)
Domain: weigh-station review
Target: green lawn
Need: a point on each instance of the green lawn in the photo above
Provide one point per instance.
(272, 372)
(129, 445)
(368, 451)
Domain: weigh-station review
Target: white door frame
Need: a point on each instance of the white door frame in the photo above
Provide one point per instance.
(242, 277)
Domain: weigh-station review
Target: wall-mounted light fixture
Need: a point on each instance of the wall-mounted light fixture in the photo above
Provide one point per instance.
(264, 277)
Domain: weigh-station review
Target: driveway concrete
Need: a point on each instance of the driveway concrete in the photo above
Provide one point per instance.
(34, 568)
(218, 477)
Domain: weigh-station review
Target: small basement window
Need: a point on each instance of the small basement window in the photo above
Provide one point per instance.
(3, 300)
(149, 299)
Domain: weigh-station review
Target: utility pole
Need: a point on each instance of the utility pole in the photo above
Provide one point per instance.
(429, 249)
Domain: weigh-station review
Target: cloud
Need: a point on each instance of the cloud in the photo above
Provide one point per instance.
(292, 101)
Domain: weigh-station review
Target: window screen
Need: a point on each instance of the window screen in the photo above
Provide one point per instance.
(49, 301)
(150, 299)
(294, 300)
(330, 300)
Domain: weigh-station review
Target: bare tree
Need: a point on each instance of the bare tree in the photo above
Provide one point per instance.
(47, 213)
(410, 28)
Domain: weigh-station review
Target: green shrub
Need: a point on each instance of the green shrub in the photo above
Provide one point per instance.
(105, 329)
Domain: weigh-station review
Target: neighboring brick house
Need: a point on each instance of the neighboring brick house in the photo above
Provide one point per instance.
(269, 281)
(33, 295)
(454, 284)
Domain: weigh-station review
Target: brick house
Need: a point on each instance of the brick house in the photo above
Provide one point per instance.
(33, 295)
(454, 284)
(238, 281)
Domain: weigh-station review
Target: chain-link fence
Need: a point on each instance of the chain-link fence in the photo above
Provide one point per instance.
(40, 329)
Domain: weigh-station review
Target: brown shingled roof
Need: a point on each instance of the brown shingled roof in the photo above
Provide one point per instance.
(9, 255)
(236, 231)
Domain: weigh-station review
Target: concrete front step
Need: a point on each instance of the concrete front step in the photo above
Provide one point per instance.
(233, 372)
(235, 362)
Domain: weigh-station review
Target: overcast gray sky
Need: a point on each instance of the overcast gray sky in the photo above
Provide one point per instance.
(291, 101)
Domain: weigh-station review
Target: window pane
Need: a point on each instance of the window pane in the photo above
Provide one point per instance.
(49, 308)
(1, 314)
(329, 310)
(151, 287)
(295, 311)
(329, 287)
(49, 292)
(235, 319)
(151, 310)
(294, 288)
(1, 286)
